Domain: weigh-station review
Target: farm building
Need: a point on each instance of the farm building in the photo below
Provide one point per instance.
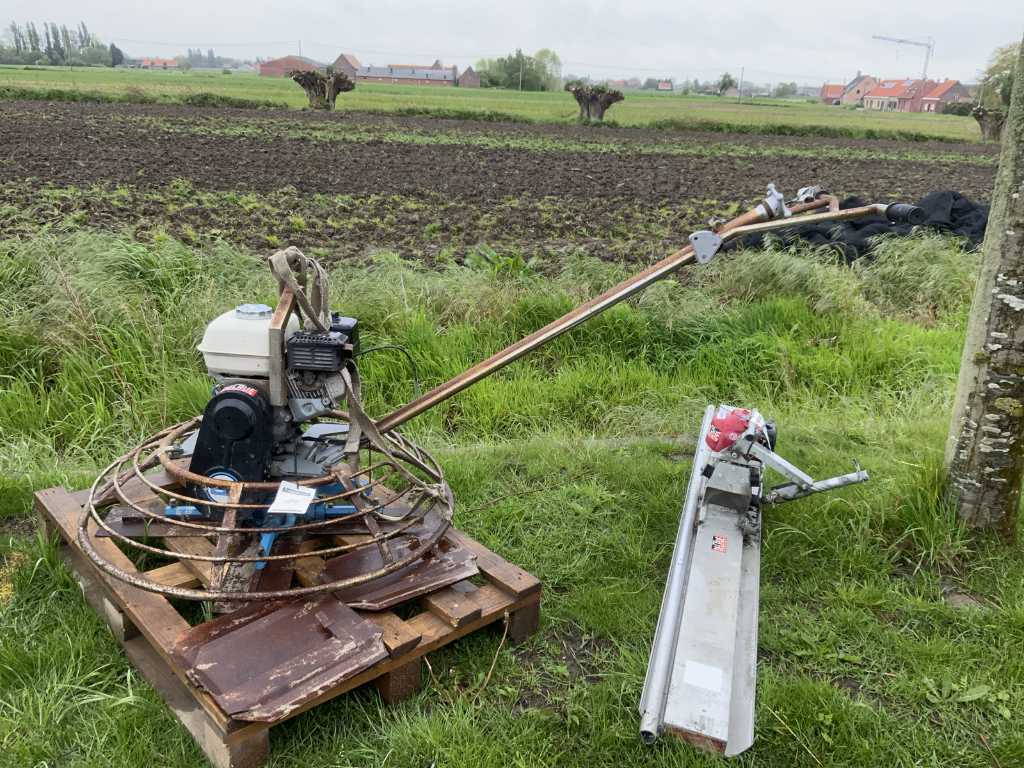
(664, 85)
(946, 92)
(347, 64)
(414, 74)
(407, 75)
(281, 67)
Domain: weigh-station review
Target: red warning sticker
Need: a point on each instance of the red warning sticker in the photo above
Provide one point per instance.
(244, 388)
(719, 543)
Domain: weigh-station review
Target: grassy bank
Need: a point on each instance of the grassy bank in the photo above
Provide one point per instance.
(570, 463)
(639, 109)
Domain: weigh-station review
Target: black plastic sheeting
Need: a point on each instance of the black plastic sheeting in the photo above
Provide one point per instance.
(947, 212)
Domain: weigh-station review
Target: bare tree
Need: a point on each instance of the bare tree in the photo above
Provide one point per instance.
(322, 90)
(985, 452)
(594, 100)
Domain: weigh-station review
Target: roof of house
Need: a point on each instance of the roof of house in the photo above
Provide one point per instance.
(832, 90)
(436, 65)
(406, 73)
(349, 59)
(856, 80)
(941, 89)
(892, 88)
(303, 59)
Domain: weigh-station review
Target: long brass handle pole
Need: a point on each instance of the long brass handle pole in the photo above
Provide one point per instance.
(744, 224)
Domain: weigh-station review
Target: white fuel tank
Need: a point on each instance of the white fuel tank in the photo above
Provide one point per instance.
(237, 343)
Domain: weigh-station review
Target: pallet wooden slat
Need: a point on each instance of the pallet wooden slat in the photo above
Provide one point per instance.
(454, 606)
(173, 575)
(398, 638)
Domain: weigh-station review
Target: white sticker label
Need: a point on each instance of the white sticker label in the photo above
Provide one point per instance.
(292, 499)
(703, 676)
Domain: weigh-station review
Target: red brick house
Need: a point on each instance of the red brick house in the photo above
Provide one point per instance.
(831, 93)
(286, 64)
(946, 92)
(469, 79)
(898, 95)
(347, 64)
(857, 89)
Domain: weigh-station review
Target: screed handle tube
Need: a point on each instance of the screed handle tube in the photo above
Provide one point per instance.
(731, 230)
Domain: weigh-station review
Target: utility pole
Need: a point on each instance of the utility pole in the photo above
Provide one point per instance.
(521, 57)
(739, 92)
(929, 48)
(985, 450)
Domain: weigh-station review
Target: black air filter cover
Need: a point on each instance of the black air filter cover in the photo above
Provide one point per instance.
(313, 351)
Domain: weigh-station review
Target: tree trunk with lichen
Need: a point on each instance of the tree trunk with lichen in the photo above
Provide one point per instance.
(985, 452)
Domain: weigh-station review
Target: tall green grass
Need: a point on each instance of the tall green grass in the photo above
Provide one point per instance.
(98, 340)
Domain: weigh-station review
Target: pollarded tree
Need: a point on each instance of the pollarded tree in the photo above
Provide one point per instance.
(321, 89)
(594, 100)
(995, 85)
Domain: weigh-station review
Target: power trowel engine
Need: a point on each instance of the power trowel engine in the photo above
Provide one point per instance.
(245, 438)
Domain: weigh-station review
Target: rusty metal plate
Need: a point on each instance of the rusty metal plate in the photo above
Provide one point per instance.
(449, 563)
(128, 522)
(265, 661)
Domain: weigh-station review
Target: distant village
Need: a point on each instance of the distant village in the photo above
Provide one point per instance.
(863, 91)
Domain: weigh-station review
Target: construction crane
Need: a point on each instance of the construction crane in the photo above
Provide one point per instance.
(929, 48)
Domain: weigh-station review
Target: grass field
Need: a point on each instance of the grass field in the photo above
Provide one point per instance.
(638, 109)
(888, 635)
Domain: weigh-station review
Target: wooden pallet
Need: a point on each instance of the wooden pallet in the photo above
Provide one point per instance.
(149, 628)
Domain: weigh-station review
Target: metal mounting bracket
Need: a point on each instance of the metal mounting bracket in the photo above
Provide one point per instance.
(705, 245)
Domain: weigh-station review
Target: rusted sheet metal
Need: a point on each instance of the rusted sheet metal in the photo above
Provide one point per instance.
(448, 563)
(266, 660)
(129, 522)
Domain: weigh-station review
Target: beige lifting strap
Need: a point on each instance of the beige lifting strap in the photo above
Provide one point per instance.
(292, 268)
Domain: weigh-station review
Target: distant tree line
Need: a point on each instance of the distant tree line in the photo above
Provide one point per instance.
(196, 58)
(519, 72)
(50, 43)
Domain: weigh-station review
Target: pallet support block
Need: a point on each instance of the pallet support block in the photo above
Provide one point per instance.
(148, 627)
(400, 683)
(523, 622)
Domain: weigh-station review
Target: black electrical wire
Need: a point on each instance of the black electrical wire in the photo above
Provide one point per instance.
(408, 356)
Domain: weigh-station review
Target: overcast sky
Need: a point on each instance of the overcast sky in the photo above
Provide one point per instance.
(808, 42)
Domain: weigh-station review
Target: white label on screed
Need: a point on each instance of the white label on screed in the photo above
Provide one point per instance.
(703, 676)
(292, 499)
